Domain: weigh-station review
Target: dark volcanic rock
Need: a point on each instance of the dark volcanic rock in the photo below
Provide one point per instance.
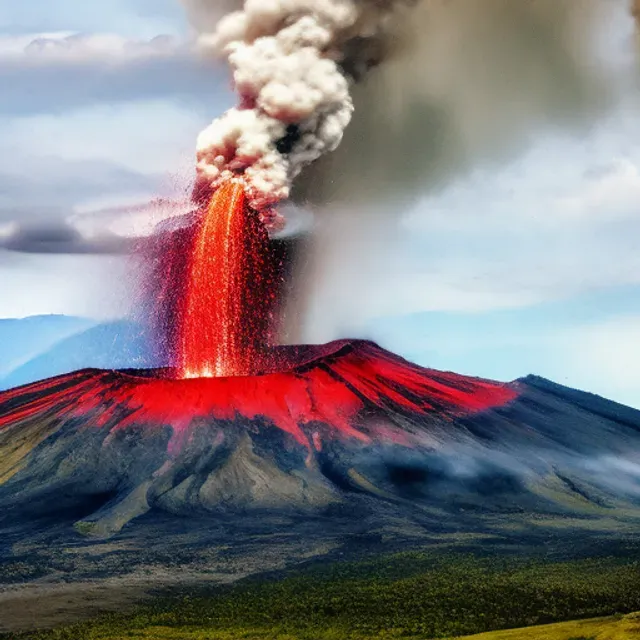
(346, 435)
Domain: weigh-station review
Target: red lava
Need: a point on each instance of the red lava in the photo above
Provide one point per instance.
(337, 390)
(224, 314)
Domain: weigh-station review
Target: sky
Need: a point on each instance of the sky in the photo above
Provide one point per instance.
(526, 264)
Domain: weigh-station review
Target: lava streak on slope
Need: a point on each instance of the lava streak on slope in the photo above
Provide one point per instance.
(347, 389)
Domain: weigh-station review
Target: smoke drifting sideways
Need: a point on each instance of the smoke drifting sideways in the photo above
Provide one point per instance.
(470, 85)
(293, 62)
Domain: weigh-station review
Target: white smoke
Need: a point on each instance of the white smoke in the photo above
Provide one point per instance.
(292, 63)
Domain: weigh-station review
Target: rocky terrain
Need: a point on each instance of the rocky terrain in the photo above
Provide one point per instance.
(138, 481)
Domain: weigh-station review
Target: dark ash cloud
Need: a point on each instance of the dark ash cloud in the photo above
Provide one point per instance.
(61, 238)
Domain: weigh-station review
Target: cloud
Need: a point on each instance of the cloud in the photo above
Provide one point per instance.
(62, 238)
(76, 48)
(134, 219)
(97, 106)
(560, 220)
(131, 18)
(559, 181)
(54, 72)
(145, 136)
(607, 351)
(613, 195)
(50, 187)
(57, 165)
(81, 285)
(54, 166)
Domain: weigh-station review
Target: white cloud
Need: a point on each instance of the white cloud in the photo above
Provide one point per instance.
(14, 46)
(96, 104)
(89, 286)
(130, 18)
(53, 72)
(615, 195)
(128, 218)
(73, 48)
(143, 136)
(560, 181)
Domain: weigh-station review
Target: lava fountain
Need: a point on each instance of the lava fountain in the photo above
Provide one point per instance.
(225, 320)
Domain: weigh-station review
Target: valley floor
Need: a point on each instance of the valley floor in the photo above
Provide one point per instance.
(416, 595)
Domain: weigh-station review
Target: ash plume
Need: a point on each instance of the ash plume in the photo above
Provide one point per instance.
(469, 82)
(293, 62)
(474, 84)
(465, 84)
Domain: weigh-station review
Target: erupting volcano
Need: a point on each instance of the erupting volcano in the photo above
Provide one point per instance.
(231, 390)
(241, 424)
(238, 422)
(235, 422)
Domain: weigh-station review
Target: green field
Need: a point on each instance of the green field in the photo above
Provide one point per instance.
(611, 628)
(409, 595)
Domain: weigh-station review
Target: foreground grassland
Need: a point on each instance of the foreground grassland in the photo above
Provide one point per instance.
(413, 595)
(612, 628)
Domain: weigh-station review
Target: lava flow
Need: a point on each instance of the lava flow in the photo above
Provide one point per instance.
(224, 319)
(348, 389)
(219, 287)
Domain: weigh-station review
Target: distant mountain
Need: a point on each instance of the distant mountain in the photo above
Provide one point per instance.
(113, 345)
(22, 339)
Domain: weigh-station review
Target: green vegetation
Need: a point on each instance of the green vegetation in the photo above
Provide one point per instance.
(613, 628)
(84, 528)
(411, 595)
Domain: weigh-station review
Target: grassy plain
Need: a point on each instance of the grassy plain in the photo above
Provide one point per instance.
(417, 595)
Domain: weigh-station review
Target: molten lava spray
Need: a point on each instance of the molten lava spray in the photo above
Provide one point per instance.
(229, 289)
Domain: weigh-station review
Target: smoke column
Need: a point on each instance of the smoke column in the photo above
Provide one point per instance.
(474, 83)
(293, 62)
(465, 83)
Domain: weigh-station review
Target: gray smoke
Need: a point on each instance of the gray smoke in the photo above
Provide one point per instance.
(465, 83)
(473, 80)
(474, 83)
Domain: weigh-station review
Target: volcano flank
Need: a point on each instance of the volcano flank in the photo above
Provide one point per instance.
(329, 448)
(326, 425)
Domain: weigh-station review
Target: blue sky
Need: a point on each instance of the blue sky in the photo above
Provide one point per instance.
(525, 264)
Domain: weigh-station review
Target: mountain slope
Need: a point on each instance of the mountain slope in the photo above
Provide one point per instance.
(110, 345)
(342, 446)
(331, 425)
(22, 339)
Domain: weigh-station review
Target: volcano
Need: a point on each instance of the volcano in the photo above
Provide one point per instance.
(346, 425)
(115, 483)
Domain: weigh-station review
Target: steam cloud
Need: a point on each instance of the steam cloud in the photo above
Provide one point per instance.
(293, 62)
